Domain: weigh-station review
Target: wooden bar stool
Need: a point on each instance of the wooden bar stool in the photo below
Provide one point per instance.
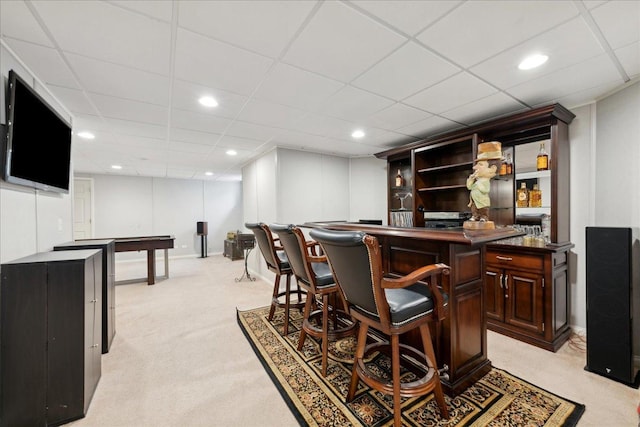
(277, 263)
(313, 274)
(392, 306)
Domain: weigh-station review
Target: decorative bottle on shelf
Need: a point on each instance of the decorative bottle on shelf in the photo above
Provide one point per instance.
(535, 197)
(399, 179)
(503, 166)
(542, 161)
(509, 164)
(522, 199)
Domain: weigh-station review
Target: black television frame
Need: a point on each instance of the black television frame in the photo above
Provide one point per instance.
(33, 180)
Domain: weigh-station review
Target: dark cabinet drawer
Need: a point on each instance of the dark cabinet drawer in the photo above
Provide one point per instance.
(514, 260)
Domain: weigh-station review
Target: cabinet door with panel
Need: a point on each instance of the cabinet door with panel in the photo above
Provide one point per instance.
(514, 295)
(526, 293)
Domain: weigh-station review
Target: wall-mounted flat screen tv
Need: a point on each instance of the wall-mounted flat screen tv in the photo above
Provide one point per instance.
(38, 141)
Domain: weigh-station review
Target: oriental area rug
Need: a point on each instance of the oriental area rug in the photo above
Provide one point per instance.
(498, 399)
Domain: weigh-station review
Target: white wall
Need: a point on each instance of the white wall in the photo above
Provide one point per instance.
(142, 206)
(582, 146)
(368, 183)
(617, 170)
(30, 221)
(291, 186)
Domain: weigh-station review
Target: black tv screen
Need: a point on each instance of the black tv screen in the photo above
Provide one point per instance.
(38, 144)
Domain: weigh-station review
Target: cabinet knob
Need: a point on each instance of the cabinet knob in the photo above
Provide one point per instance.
(95, 345)
(504, 258)
(94, 300)
(501, 283)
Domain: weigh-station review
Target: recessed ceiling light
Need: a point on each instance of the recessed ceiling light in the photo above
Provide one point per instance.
(208, 173)
(533, 61)
(116, 167)
(358, 133)
(86, 135)
(231, 152)
(208, 101)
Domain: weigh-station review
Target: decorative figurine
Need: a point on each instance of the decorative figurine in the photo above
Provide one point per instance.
(479, 185)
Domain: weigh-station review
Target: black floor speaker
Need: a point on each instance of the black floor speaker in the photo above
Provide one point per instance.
(611, 267)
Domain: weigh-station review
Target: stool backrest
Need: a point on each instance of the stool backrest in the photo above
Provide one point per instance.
(265, 243)
(355, 261)
(293, 242)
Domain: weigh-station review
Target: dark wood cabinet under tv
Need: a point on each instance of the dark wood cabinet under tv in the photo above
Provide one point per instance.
(439, 168)
(50, 337)
(108, 283)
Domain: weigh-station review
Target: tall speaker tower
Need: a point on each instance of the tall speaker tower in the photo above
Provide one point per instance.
(613, 308)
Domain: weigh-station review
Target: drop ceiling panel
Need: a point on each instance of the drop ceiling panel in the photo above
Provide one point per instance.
(406, 71)
(128, 127)
(251, 131)
(492, 106)
(236, 143)
(74, 100)
(268, 114)
(245, 23)
(288, 85)
(596, 72)
(45, 62)
(194, 136)
(17, 21)
(341, 43)
(430, 126)
(478, 30)
(354, 104)
(396, 116)
(412, 17)
(447, 94)
(124, 109)
(619, 22)
(185, 96)
(122, 82)
(218, 65)
(198, 121)
(629, 57)
(87, 28)
(565, 45)
(158, 9)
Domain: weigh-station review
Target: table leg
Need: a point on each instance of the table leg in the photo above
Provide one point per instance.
(151, 266)
(166, 263)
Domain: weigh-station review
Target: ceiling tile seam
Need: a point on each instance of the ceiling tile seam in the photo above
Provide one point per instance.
(136, 12)
(275, 62)
(60, 52)
(172, 72)
(597, 34)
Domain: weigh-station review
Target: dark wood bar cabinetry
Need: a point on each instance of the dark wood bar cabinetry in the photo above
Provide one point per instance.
(50, 334)
(526, 292)
(460, 341)
(108, 283)
(527, 297)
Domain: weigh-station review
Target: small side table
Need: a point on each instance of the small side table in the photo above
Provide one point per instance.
(245, 242)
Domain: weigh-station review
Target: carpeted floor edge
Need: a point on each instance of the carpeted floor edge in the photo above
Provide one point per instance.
(290, 403)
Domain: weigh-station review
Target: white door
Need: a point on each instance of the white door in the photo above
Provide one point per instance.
(82, 209)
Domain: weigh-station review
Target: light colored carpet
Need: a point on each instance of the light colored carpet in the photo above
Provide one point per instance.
(180, 359)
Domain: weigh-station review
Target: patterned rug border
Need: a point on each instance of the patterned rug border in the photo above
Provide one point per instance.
(305, 418)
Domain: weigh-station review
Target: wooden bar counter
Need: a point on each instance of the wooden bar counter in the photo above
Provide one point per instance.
(461, 342)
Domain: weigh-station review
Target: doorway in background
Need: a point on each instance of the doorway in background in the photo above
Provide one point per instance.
(82, 208)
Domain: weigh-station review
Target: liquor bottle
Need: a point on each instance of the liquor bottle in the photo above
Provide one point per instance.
(509, 164)
(399, 179)
(535, 197)
(503, 166)
(542, 161)
(522, 199)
